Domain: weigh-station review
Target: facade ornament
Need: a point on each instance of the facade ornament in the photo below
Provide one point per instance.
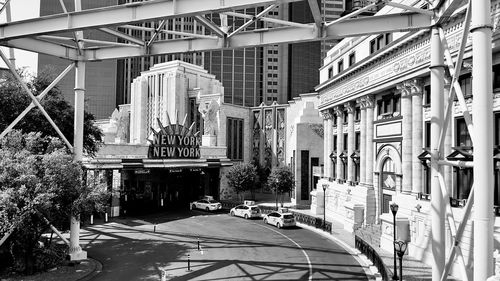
(208, 111)
(369, 101)
(361, 102)
(327, 114)
(417, 86)
(339, 110)
(349, 106)
(404, 89)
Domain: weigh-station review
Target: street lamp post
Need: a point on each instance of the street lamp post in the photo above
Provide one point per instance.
(325, 186)
(400, 249)
(394, 210)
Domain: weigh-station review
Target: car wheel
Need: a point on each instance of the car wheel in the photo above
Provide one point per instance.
(193, 206)
(232, 214)
(207, 209)
(246, 216)
(278, 225)
(265, 221)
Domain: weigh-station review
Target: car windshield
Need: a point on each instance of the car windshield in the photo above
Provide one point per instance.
(288, 217)
(254, 208)
(212, 201)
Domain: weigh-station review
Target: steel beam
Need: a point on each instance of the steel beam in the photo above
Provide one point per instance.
(388, 23)
(210, 25)
(122, 35)
(316, 13)
(43, 47)
(124, 14)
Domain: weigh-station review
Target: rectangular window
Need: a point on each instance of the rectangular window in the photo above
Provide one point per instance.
(335, 143)
(352, 58)
(330, 72)
(462, 137)
(334, 120)
(465, 82)
(340, 66)
(427, 134)
(357, 114)
(234, 138)
(380, 41)
(389, 105)
(357, 141)
(304, 173)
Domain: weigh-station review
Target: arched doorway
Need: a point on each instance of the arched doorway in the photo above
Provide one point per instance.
(387, 177)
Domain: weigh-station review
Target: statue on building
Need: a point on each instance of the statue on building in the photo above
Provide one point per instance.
(208, 112)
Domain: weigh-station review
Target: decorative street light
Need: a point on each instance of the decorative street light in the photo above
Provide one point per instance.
(394, 210)
(325, 186)
(400, 249)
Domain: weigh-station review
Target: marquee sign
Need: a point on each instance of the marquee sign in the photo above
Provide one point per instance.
(174, 141)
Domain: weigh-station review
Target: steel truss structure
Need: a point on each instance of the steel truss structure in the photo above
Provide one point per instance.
(43, 35)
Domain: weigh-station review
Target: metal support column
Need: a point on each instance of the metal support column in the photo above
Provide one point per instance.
(75, 251)
(482, 108)
(437, 114)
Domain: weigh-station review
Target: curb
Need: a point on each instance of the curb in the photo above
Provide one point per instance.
(370, 270)
(96, 270)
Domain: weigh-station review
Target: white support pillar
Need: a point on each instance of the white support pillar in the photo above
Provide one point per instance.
(327, 142)
(482, 108)
(369, 103)
(437, 116)
(329, 173)
(350, 141)
(406, 161)
(75, 251)
(362, 148)
(339, 111)
(417, 132)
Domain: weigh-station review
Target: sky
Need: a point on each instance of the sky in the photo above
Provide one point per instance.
(22, 9)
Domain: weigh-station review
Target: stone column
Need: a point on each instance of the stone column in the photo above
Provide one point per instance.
(418, 136)
(328, 142)
(350, 140)
(339, 111)
(369, 103)
(406, 150)
(362, 149)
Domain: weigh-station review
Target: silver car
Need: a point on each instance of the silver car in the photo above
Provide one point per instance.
(206, 204)
(246, 211)
(280, 219)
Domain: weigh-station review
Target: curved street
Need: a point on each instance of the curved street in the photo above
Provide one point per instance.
(158, 247)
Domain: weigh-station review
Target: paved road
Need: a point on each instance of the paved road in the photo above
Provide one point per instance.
(232, 248)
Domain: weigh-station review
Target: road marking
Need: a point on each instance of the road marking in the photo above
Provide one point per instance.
(298, 246)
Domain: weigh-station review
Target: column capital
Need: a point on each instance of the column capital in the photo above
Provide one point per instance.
(416, 86)
(366, 101)
(339, 110)
(350, 106)
(327, 114)
(403, 89)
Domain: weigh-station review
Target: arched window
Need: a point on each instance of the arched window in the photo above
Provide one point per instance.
(388, 177)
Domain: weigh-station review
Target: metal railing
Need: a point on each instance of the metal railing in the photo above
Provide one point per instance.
(372, 255)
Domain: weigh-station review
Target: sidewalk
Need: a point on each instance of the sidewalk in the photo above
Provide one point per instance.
(412, 269)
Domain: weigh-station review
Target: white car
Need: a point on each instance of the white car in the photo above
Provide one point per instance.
(280, 219)
(246, 211)
(206, 204)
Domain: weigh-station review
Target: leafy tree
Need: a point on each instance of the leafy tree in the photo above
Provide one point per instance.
(13, 101)
(281, 180)
(40, 181)
(242, 177)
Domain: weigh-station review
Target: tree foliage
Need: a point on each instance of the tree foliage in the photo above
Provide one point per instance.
(281, 180)
(13, 101)
(242, 177)
(40, 181)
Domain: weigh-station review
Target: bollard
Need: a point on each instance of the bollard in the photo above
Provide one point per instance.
(105, 217)
(91, 219)
(154, 229)
(161, 202)
(189, 263)
(198, 244)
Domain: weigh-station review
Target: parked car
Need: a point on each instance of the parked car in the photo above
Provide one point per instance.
(279, 219)
(206, 204)
(246, 211)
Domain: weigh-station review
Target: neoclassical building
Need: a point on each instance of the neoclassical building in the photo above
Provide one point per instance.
(375, 102)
